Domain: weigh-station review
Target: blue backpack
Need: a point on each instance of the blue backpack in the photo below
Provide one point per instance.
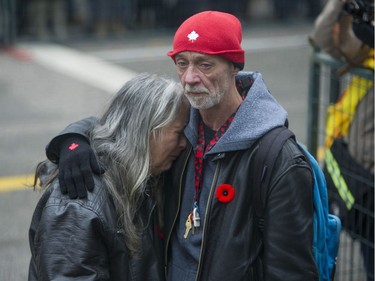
(327, 227)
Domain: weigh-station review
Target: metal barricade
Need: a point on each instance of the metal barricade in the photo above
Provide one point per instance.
(355, 261)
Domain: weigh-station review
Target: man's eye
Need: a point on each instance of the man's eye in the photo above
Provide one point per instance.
(181, 64)
(205, 66)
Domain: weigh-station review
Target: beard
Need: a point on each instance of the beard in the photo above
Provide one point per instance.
(202, 98)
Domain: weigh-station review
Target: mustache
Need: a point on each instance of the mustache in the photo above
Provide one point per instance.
(196, 89)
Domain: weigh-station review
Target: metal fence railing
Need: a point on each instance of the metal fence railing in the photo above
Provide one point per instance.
(326, 89)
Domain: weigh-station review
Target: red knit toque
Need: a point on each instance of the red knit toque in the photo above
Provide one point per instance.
(212, 33)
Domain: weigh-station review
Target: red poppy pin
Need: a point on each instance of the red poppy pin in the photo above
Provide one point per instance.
(225, 193)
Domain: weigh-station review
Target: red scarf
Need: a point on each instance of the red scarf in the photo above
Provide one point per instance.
(200, 150)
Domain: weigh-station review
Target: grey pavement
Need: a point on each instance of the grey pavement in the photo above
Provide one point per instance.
(44, 87)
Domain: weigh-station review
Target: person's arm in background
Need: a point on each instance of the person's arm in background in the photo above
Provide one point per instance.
(321, 36)
(333, 32)
(72, 152)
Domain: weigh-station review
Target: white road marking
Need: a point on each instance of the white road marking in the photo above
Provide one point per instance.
(81, 66)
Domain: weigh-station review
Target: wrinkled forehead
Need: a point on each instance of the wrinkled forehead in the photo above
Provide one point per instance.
(197, 56)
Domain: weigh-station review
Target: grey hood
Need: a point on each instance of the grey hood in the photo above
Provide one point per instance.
(258, 113)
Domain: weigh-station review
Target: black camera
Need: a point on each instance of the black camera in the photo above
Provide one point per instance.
(361, 10)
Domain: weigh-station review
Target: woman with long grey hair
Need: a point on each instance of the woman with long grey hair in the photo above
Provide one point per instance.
(115, 233)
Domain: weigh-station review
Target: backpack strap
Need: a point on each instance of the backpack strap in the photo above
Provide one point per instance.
(265, 157)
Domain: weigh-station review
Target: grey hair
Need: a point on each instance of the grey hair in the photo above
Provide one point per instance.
(121, 141)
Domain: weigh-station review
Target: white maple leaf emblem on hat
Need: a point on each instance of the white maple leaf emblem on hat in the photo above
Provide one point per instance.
(193, 36)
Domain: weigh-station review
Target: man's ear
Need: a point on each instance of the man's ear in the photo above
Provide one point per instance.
(235, 70)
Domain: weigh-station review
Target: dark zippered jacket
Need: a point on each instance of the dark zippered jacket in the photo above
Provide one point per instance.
(80, 239)
(228, 245)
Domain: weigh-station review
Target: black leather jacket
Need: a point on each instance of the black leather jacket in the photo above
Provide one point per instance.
(232, 247)
(80, 239)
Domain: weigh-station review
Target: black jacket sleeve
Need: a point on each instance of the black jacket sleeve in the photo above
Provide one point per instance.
(288, 234)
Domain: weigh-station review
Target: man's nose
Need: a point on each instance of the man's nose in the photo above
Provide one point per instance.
(191, 75)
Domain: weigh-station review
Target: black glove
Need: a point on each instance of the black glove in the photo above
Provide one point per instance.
(76, 167)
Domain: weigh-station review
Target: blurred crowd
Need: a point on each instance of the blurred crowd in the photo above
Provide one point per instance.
(60, 19)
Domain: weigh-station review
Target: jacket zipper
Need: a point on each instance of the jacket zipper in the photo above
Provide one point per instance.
(178, 210)
(206, 218)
